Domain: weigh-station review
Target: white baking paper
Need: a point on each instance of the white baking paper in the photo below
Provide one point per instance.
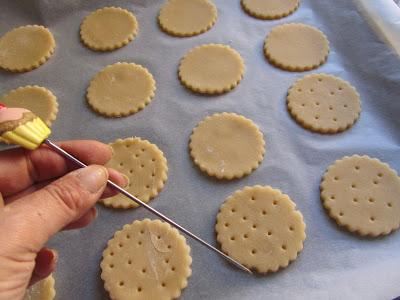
(334, 264)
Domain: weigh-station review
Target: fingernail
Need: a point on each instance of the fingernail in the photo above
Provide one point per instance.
(93, 178)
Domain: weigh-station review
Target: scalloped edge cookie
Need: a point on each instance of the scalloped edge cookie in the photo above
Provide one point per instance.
(159, 239)
(216, 89)
(139, 106)
(351, 164)
(88, 42)
(129, 173)
(166, 27)
(249, 213)
(252, 11)
(303, 85)
(35, 63)
(222, 174)
(52, 99)
(42, 290)
(298, 67)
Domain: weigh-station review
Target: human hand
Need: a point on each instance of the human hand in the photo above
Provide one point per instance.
(38, 204)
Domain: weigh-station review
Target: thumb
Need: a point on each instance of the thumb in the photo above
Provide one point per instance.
(49, 210)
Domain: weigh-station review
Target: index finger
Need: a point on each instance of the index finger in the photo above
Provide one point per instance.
(21, 168)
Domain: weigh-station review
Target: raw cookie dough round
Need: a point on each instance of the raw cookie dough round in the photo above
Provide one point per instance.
(362, 194)
(324, 103)
(187, 17)
(121, 89)
(296, 47)
(227, 146)
(145, 166)
(211, 69)
(260, 228)
(42, 290)
(270, 9)
(26, 48)
(108, 28)
(146, 260)
(37, 99)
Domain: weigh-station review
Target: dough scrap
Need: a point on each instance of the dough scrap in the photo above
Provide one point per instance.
(296, 47)
(145, 166)
(121, 89)
(227, 146)
(260, 227)
(187, 17)
(362, 194)
(108, 28)
(270, 9)
(324, 103)
(25, 48)
(37, 99)
(147, 259)
(42, 290)
(211, 69)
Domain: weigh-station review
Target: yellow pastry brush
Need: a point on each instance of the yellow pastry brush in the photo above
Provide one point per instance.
(21, 127)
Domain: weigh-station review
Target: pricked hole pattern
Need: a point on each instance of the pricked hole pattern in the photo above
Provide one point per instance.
(333, 197)
(341, 214)
(345, 105)
(121, 164)
(169, 246)
(353, 185)
(166, 260)
(253, 198)
(136, 155)
(254, 226)
(142, 166)
(316, 103)
(128, 236)
(144, 270)
(284, 247)
(264, 212)
(141, 231)
(334, 119)
(147, 186)
(299, 90)
(303, 104)
(269, 232)
(311, 90)
(112, 253)
(336, 178)
(129, 262)
(332, 93)
(291, 228)
(120, 245)
(245, 235)
(372, 219)
(173, 269)
(153, 159)
(139, 289)
(140, 243)
(316, 117)
(390, 204)
(275, 202)
(233, 210)
(143, 149)
(357, 168)
(371, 200)
(232, 238)
(226, 224)
(340, 88)
(380, 174)
(330, 108)
(244, 218)
(121, 283)
(163, 284)
(131, 171)
(376, 181)
(254, 251)
(111, 266)
(355, 200)
(153, 175)
(158, 236)
(320, 79)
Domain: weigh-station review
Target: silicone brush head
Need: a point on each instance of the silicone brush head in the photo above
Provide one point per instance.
(22, 127)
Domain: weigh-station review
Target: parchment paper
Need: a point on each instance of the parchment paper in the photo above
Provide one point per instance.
(333, 264)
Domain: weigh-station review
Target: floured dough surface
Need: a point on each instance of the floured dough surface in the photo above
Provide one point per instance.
(121, 89)
(296, 47)
(362, 194)
(145, 166)
(37, 99)
(26, 48)
(270, 9)
(146, 260)
(211, 69)
(108, 28)
(324, 103)
(260, 228)
(187, 17)
(42, 290)
(227, 146)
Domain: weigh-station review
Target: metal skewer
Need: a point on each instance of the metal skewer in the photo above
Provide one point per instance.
(146, 206)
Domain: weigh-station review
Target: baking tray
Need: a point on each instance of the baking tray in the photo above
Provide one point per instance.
(333, 264)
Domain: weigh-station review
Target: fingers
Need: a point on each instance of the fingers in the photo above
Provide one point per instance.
(83, 221)
(45, 264)
(20, 168)
(47, 211)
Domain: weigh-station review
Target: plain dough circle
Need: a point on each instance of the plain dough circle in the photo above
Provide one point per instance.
(296, 47)
(26, 48)
(37, 99)
(260, 228)
(108, 28)
(42, 290)
(227, 146)
(145, 166)
(362, 194)
(211, 69)
(270, 9)
(187, 17)
(121, 89)
(324, 103)
(146, 260)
